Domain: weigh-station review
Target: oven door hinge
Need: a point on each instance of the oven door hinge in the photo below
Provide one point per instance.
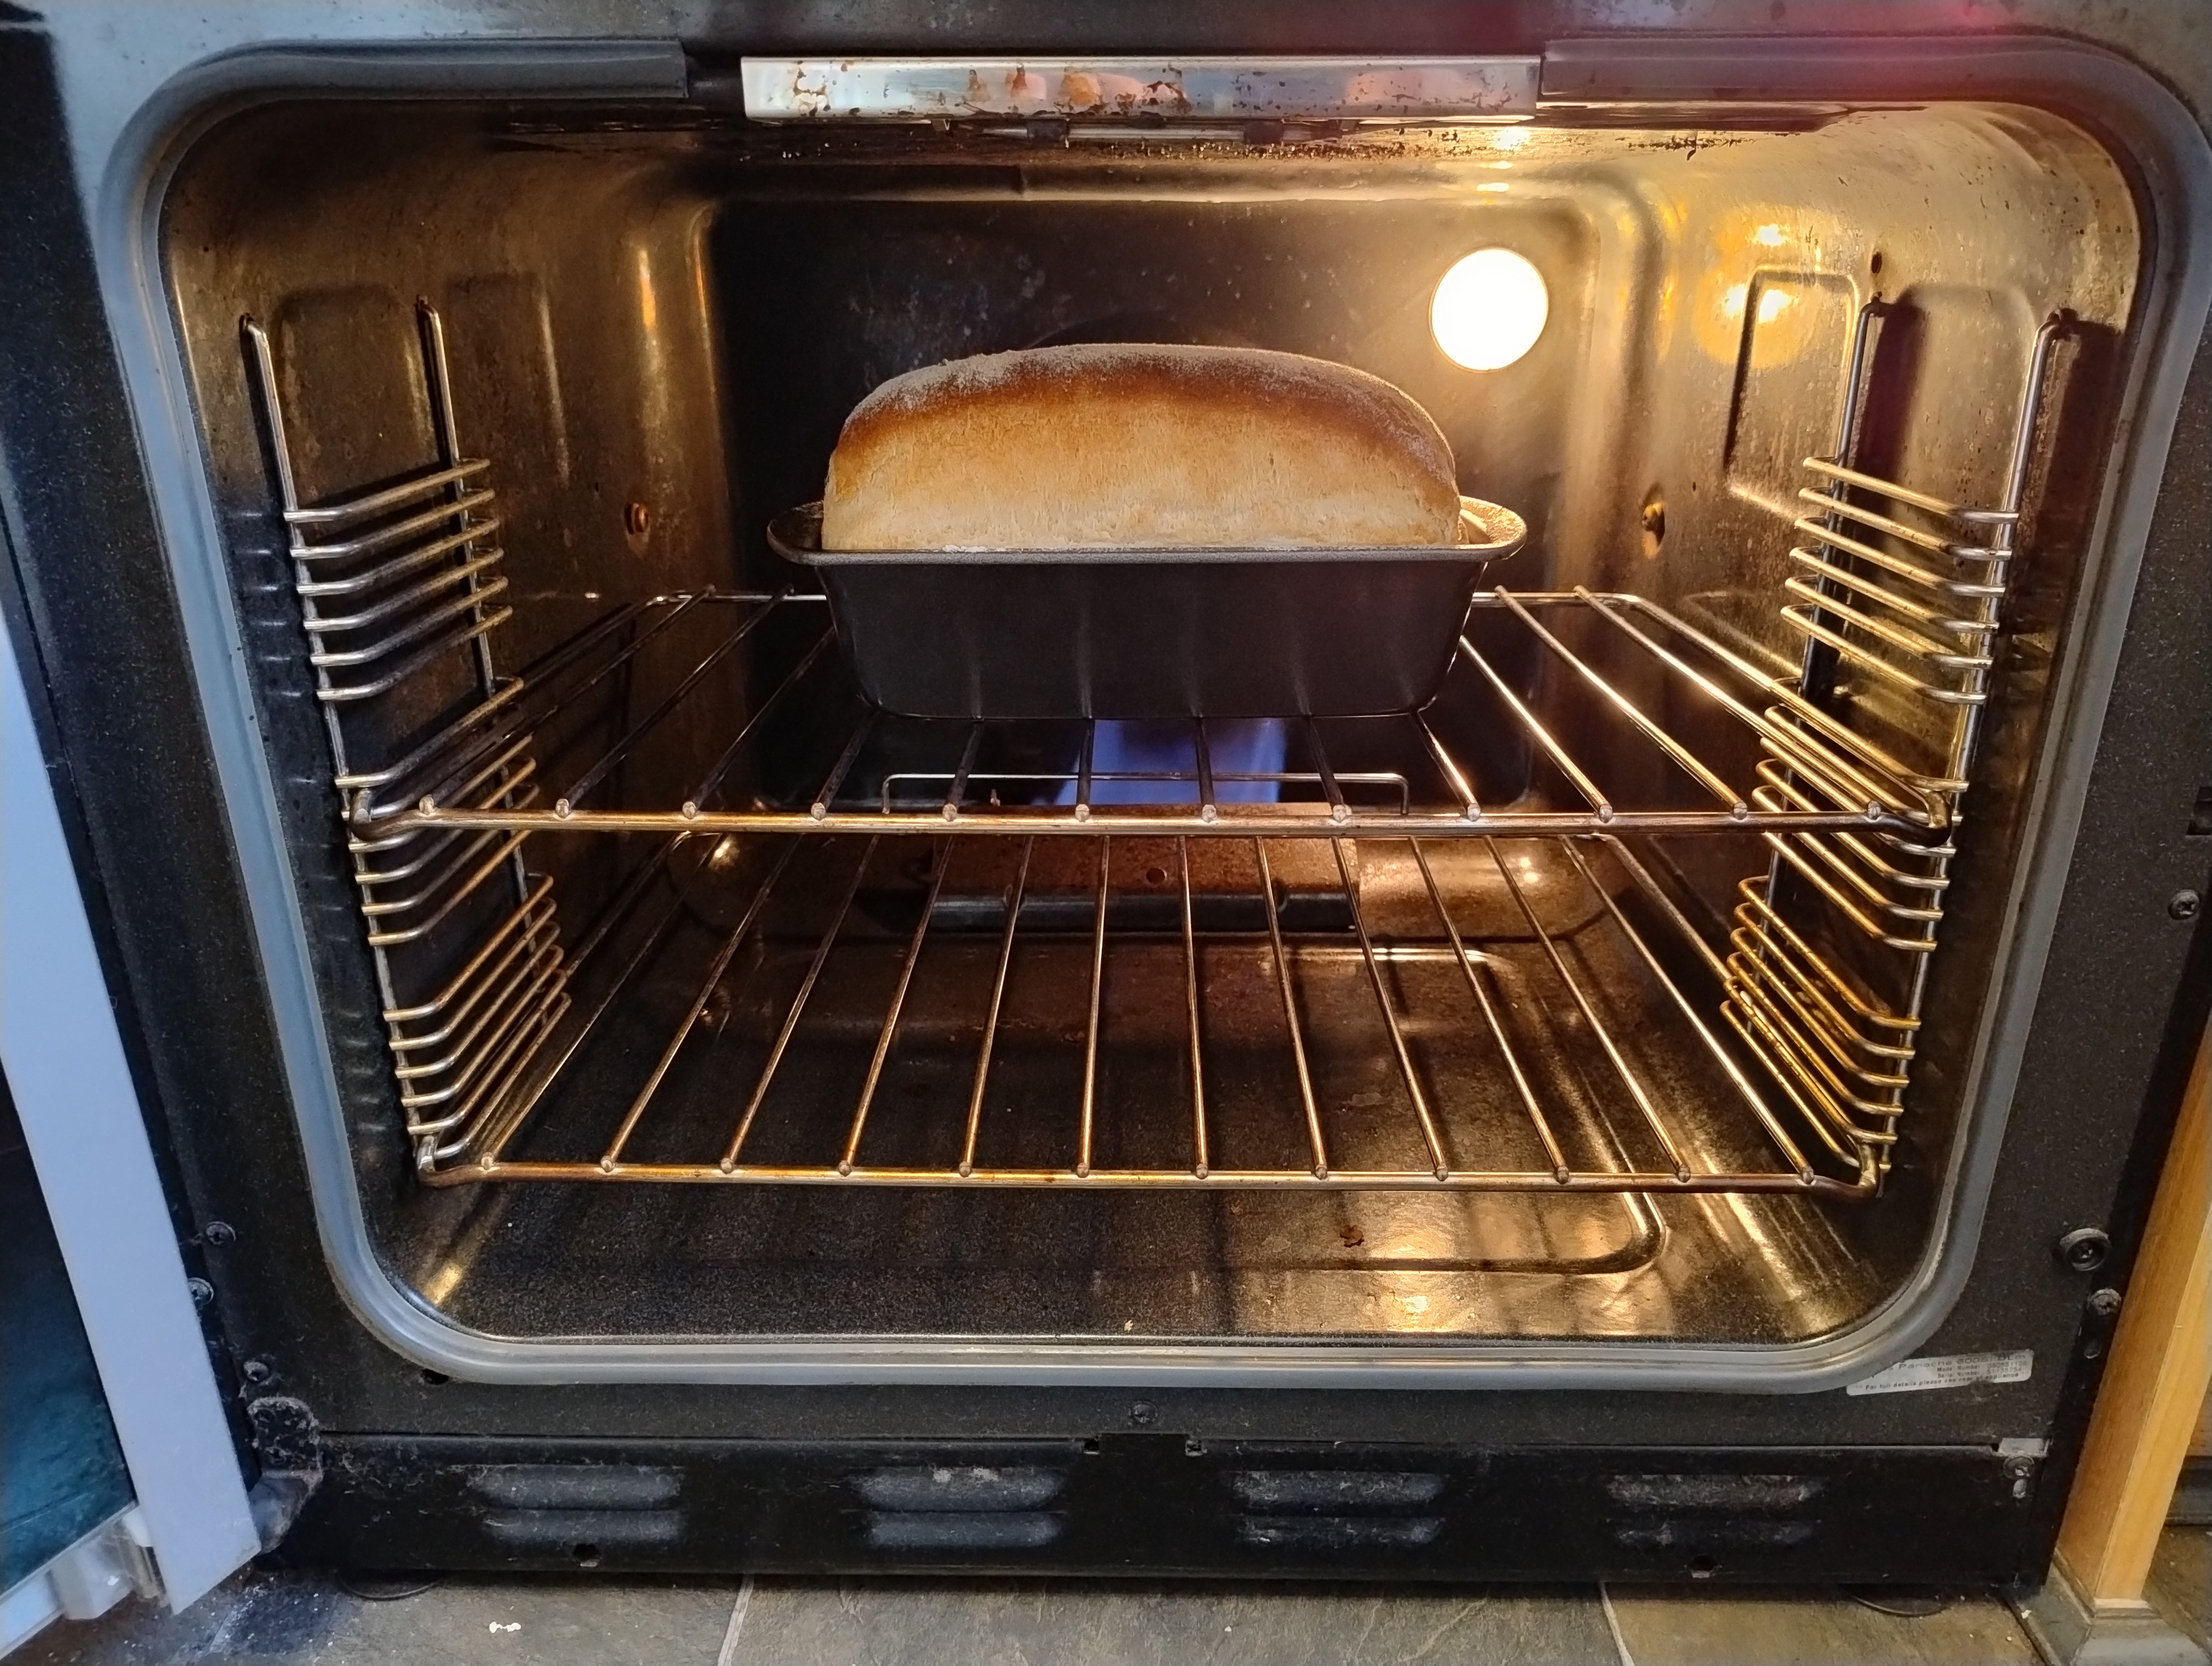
(2021, 1455)
(288, 1442)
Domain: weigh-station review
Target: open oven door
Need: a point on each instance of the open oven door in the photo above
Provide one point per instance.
(118, 1470)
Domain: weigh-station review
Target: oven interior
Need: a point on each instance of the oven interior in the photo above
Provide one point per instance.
(1627, 992)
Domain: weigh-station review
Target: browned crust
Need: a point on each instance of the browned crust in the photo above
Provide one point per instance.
(1191, 445)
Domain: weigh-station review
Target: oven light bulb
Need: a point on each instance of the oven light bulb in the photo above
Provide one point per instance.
(1489, 309)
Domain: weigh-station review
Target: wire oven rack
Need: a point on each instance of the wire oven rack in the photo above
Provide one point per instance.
(1611, 723)
(1542, 980)
(1835, 786)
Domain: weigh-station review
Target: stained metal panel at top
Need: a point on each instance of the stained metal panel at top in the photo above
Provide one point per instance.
(1189, 89)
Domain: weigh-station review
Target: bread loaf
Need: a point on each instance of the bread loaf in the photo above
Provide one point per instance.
(1138, 447)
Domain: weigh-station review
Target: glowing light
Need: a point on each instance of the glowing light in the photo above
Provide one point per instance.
(1771, 236)
(1509, 138)
(1489, 309)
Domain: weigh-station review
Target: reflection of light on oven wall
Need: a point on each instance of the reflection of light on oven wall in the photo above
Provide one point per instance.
(655, 381)
(1772, 303)
(1489, 309)
(1749, 300)
(443, 1281)
(1763, 317)
(648, 307)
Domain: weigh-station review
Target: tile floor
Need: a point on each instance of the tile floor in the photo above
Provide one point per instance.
(2181, 1580)
(287, 1619)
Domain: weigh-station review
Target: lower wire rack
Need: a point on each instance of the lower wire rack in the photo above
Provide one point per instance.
(1481, 1015)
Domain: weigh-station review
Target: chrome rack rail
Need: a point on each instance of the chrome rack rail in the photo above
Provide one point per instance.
(400, 587)
(1645, 1150)
(1836, 784)
(1900, 593)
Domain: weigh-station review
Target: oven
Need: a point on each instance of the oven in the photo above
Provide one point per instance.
(1676, 1101)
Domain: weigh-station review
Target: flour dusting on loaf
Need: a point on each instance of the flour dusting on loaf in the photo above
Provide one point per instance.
(1110, 446)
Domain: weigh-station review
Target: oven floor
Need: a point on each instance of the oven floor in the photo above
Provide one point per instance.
(637, 1257)
(602, 1261)
(287, 1620)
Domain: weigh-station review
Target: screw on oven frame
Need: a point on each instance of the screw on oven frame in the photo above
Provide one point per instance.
(201, 1290)
(2185, 905)
(2085, 1248)
(258, 1371)
(2105, 1302)
(220, 1234)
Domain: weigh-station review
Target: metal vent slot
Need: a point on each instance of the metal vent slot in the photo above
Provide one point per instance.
(1747, 1494)
(962, 1530)
(1714, 1512)
(917, 1507)
(1711, 1533)
(1278, 1491)
(583, 1531)
(1340, 1532)
(926, 1487)
(606, 1487)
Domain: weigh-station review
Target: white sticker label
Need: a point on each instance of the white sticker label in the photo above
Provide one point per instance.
(1948, 1370)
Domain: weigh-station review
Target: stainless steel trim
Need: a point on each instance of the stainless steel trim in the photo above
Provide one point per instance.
(1129, 89)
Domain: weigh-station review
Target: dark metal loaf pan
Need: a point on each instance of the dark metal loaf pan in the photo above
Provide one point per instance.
(1150, 633)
